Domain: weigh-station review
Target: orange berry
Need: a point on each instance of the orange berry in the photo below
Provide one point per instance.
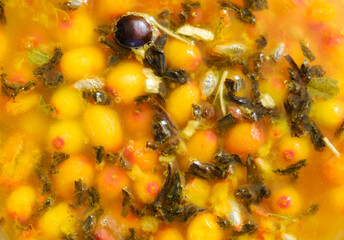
(197, 191)
(138, 153)
(126, 81)
(147, 187)
(204, 226)
(138, 120)
(202, 145)
(243, 138)
(294, 149)
(74, 168)
(20, 203)
(181, 55)
(286, 200)
(334, 170)
(179, 103)
(169, 233)
(103, 127)
(110, 182)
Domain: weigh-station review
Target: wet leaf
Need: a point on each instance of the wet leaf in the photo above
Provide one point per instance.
(100, 153)
(323, 87)
(127, 201)
(306, 51)
(37, 57)
(256, 5)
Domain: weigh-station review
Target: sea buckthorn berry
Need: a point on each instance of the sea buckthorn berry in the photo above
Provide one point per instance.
(169, 233)
(133, 31)
(108, 9)
(138, 120)
(103, 127)
(68, 102)
(181, 55)
(66, 136)
(204, 226)
(275, 88)
(147, 187)
(126, 81)
(320, 11)
(179, 103)
(77, 31)
(218, 198)
(57, 221)
(202, 145)
(197, 191)
(74, 168)
(3, 45)
(110, 182)
(35, 124)
(23, 103)
(336, 197)
(137, 153)
(286, 200)
(79, 62)
(243, 138)
(20, 203)
(334, 170)
(328, 114)
(293, 149)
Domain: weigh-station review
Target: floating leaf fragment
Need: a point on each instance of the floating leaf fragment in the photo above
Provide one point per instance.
(323, 87)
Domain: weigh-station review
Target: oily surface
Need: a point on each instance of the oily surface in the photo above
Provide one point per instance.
(231, 130)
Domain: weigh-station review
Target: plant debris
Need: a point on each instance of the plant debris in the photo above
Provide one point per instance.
(3, 20)
(306, 51)
(79, 192)
(127, 201)
(50, 65)
(261, 42)
(12, 89)
(100, 154)
(256, 5)
(45, 107)
(252, 193)
(188, 10)
(58, 158)
(322, 87)
(292, 169)
(37, 57)
(243, 13)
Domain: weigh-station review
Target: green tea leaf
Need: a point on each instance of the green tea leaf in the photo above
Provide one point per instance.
(321, 87)
(38, 57)
(45, 107)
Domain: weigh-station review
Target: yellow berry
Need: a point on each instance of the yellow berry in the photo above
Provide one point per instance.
(126, 81)
(66, 136)
(202, 145)
(103, 127)
(110, 182)
(204, 226)
(243, 138)
(79, 62)
(68, 102)
(108, 9)
(3, 45)
(147, 187)
(336, 199)
(169, 233)
(286, 200)
(181, 55)
(320, 11)
(293, 149)
(20, 203)
(77, 31)
(179, 103)
(333, 170)
(328, 114)
(74, 168)
(23, 103)
(56, 222)
(197, 191)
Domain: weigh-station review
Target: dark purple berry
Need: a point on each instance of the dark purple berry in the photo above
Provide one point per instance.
(133, 31)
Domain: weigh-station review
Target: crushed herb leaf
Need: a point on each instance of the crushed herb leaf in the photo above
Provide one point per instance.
(45, 107)
(316, 136)
(322, 87)
(225, 123)
(127, 201)
(310, 210)
(2, 13)
(223, 222)
(190, 210)
(292, 169)
(252, 193)
(306, 51)
(253, 174)
(99, 97)
(43, 176)
(93, 196)
(53, 80)
(100, 154)
(167, 203)
(256, 5)
(58, 158)
(244, 14)
(207, 171)
(36, 56)
(340, 130)
(188, 10)
(12, 89)
(79, 191)
(50, 65)
(248, 228)
(89, 224)
(261, 42)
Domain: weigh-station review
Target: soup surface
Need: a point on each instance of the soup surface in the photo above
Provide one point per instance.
(171, 119)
